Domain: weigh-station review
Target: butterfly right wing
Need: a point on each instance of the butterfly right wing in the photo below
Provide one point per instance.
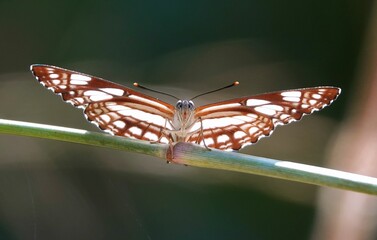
(236, 123)
(112, 107)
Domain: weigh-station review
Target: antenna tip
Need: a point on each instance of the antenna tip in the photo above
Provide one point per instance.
(136, 84)
(236, 83)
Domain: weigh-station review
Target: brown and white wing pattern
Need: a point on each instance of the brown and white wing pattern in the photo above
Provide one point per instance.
(112, 107)
(233, 124)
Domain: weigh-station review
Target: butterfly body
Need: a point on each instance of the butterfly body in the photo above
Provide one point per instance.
(183, 120)
(226, 125)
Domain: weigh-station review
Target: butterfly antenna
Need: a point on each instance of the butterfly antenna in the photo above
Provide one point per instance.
(231, 85)
(145, 88)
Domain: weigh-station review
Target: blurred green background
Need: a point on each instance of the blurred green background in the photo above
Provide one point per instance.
(57, 190)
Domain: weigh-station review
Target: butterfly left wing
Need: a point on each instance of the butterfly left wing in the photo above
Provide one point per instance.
(233, 124)
(112, 107)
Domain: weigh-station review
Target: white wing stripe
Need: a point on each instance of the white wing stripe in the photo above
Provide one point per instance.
(119, 124)
(158, 105)
(274, 107)
(220, 122)
(256, 102)
(96, 98)
(292, 99)
(143, 116)
(151, 136)
(135, 130)
(264, 110)
(118, 108)
(218, 108)
(80, 77)
(291, 94)
(78, 82)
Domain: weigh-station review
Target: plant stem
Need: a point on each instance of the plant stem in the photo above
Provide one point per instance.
(195, 155)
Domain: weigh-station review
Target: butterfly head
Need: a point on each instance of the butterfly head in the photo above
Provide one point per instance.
(185, 105)
(185, 108)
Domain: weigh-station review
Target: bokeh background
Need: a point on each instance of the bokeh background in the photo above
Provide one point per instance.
(58, 190)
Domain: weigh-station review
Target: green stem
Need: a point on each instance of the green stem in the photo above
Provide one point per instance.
(194, 155)
(81, 136)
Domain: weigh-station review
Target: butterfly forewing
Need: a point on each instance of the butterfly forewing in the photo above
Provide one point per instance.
(111, 106)
(233, 124)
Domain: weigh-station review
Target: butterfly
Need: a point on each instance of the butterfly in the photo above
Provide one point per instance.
(227, 125)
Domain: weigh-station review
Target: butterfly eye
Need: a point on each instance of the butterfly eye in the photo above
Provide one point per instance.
(191, 105)
(179, 104)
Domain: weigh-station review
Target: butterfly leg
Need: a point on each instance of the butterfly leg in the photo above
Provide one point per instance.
(170, 149)
(161, 134)
(202, 135)
(170, 153)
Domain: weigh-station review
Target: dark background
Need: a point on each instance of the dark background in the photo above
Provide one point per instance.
(57, 190)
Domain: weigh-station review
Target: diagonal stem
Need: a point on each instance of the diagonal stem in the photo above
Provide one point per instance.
(195, 155)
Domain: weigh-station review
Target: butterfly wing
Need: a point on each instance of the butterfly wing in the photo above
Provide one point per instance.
(112, 107)
(233, 124)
